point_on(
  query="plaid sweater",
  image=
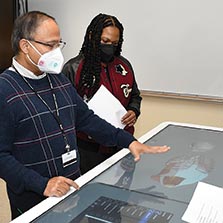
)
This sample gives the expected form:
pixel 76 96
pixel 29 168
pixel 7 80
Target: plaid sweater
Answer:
pixel 31 142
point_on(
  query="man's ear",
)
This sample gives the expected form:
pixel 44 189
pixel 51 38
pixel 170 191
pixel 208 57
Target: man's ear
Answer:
pixel 24 46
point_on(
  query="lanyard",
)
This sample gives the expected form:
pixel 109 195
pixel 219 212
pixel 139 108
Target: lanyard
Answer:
pixel 55 115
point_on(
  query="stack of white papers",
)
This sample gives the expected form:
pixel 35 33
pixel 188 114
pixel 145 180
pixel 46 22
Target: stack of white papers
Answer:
pixel 108 107
pixel 206 205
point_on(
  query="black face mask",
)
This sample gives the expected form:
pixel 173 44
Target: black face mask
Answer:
pixel 107 52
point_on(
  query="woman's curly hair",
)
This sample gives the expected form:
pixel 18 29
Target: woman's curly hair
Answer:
pixel 90 73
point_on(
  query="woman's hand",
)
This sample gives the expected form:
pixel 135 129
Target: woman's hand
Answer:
pixel 129 118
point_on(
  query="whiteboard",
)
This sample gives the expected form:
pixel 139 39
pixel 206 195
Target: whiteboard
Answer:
pixel 175 46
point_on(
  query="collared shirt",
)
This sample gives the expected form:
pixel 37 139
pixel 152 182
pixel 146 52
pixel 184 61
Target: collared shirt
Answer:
pixel 25 72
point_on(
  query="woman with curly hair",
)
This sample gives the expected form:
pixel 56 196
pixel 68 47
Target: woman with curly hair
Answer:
pixel 100 63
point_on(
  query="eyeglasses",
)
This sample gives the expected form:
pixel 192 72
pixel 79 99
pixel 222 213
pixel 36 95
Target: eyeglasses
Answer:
pixel 52 46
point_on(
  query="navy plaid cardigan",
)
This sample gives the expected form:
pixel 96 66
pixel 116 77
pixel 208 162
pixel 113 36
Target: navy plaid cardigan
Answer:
pixel 31 143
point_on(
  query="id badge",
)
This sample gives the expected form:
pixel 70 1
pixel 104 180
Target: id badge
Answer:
pixel 69 158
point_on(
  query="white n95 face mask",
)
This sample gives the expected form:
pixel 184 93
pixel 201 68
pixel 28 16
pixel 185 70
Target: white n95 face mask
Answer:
pixel 50 62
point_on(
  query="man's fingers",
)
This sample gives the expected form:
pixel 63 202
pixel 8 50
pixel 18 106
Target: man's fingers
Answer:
pixel 137 158
pixel 160 149
pixel 72 183
pixel 59 186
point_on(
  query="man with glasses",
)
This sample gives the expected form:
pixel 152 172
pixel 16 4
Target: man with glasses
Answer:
pixel 40 112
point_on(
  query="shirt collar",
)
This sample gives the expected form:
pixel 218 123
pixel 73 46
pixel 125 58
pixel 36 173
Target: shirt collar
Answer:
pixel 25 72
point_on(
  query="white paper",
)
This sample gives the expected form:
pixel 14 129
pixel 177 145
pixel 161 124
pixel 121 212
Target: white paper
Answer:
pixel 108 107
pixel 206 205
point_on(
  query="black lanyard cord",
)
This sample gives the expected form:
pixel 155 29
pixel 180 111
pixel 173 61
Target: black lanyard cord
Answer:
pixel 56 116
